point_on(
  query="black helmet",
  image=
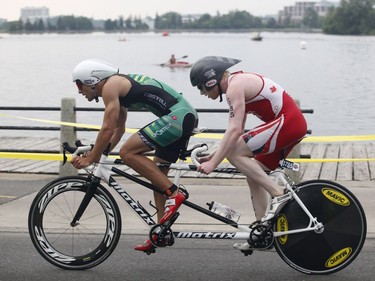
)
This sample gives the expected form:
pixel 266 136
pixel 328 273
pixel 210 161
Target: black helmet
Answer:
pixel 209 70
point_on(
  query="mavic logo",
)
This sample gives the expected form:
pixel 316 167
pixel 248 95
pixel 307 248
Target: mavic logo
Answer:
pixel 339 257
pixel 282 225
pixel 336 196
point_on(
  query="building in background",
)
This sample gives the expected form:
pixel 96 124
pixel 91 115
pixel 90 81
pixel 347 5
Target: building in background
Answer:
pixel 33 14
pixel 150 22
pixel 2 21
pixel 190 18
pixel 296 13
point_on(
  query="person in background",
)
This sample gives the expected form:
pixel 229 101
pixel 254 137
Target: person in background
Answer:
pixel 172 60
pixel 167 135
pixel 261 148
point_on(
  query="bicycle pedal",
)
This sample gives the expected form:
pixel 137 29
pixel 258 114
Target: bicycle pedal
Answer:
pixel 152 250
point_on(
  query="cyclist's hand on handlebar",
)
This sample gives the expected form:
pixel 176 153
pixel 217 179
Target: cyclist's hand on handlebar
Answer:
pixel 81 162
pixel 206 167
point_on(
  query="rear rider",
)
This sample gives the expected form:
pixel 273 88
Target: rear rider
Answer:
pixel 261 148
pixel 167 135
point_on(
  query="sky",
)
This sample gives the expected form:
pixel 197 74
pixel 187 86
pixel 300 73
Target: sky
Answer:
pixel 112 9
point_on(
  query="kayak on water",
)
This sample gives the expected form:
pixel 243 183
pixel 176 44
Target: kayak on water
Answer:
pixel 178 64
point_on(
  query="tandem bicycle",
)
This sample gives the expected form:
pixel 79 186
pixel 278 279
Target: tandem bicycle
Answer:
pixel 75 223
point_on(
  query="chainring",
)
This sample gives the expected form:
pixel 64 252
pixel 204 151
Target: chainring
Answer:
pixel 161 236
pixel 261 236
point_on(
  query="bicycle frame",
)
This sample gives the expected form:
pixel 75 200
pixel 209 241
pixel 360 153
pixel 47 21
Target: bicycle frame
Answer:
pixel 105 167
pixel 313 225
pixel 95 228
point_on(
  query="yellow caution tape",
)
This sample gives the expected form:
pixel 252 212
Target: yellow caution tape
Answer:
pixel 339 138
pixel 34 156
pixel 327 160
pixel 59 157
pixel 202 135
pixel 7 196
pixel 69 124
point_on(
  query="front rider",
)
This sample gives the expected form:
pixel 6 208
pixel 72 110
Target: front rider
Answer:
pixel 261 148
pixel 167 135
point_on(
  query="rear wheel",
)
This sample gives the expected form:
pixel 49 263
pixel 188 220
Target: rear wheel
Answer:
pixel 341 240
pixel 80 246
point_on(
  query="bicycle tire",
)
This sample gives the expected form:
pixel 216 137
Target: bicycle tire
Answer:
pixel 85 245
pixel 344 229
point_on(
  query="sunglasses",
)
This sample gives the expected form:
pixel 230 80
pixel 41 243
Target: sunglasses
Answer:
pixel 79 86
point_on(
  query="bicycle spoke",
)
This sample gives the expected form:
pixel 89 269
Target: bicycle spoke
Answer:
pixel 80 246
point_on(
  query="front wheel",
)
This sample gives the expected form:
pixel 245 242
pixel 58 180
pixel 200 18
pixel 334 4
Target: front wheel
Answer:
pixel 340 241
pixel 79 246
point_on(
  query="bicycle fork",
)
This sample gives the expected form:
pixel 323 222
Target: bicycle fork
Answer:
pixel 85 201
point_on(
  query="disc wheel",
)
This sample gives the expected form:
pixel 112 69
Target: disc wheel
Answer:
pixel 339 242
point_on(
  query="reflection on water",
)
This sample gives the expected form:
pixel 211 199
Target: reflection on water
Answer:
pixel 333 75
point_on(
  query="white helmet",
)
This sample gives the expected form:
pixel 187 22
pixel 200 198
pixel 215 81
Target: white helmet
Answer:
pixel 92 71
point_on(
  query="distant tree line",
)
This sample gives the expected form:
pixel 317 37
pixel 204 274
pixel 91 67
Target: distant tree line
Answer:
pixel 232 20
pixel 129 24
pixel 74 24
pixel 352 17
pixel 58 24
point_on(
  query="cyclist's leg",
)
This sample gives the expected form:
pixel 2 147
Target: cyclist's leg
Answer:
pixel 169 134
pixel 163 135
pixel 259 198
pixel 241 158
pixel 160 202
pixel 178 127
pixel 259 182
pixel 131 154
pixel 261 142
pixel 266 142
pixel 158 197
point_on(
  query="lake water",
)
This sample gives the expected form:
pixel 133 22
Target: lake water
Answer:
pixel 334 75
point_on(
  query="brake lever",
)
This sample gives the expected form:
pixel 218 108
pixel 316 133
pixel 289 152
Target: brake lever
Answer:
pixel 67 147
pixel 64 156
